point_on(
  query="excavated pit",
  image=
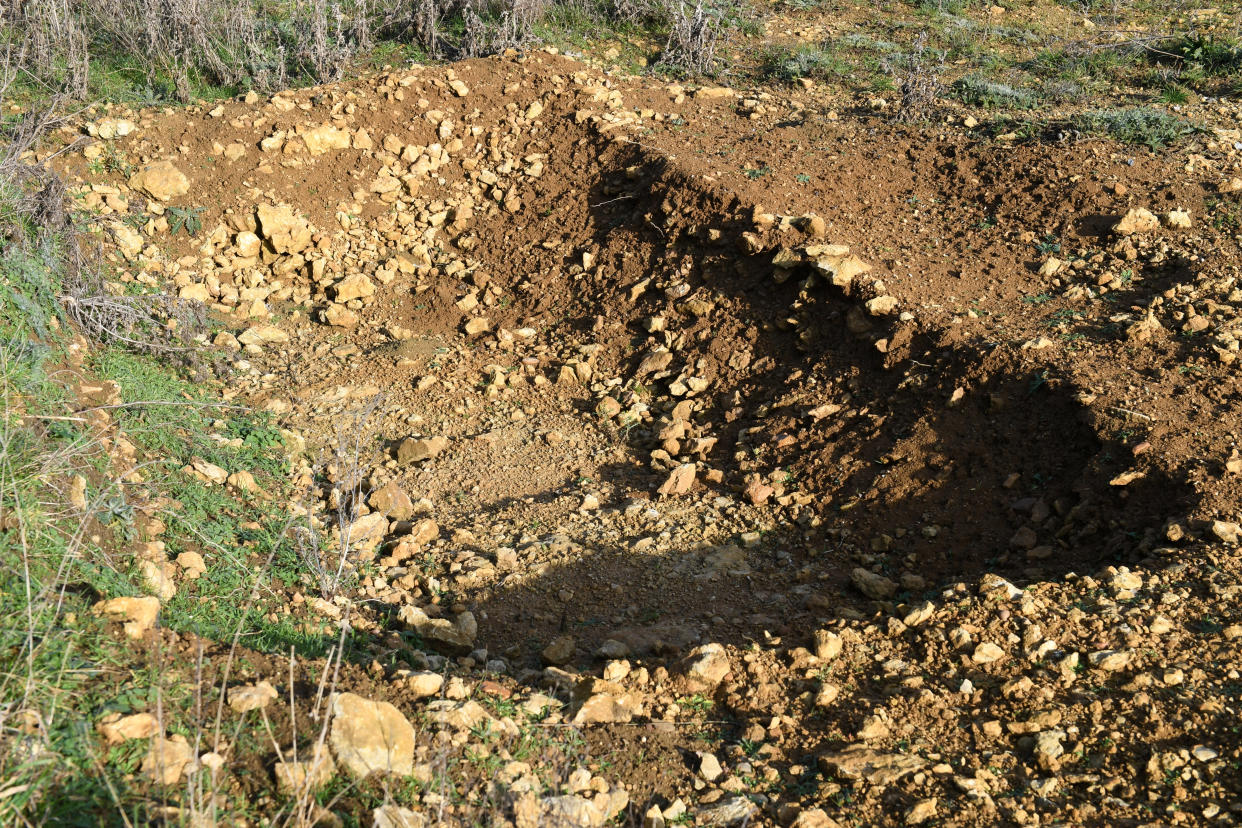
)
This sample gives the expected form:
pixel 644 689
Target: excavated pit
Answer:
pixel 582 309
pixel 815 451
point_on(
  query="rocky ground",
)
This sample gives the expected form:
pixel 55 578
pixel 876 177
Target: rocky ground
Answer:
pixel 700 455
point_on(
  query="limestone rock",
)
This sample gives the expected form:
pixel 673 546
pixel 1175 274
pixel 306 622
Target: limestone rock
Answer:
pixel 323 138
pixel 679 482
pixel 706 667
pixel 872 584
pixel 444 635
pixel 560 650
pixel 168 759
pixel 294 777
pixel 394 816
pixel 424 683
pixel 1136 220
pixel 1177 219
pixel 392 501
pixel 128 240
pixel 285 230
pixel 365 533
pixel 137 614
pixel 354 286
pixel 161 180
pixel 827 645
pixel 415 449
pixel 251 696
pixel 369 736
pixel 861 762
pixel 732 810
pixel 458 715
pixel 262 335
pixel 116 728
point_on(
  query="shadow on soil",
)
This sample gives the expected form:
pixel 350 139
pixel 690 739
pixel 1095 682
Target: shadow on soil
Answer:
pixel 949 457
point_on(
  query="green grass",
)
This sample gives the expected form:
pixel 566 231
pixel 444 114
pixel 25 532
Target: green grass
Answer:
pixel 61 667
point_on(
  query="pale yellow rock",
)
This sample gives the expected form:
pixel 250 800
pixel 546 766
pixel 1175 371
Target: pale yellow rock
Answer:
pixel 116 728
pixel 285 231
pixel 355 286
pixel 128 240
pixel 251 697
pixel 325 138
pixel 161 180
pixel 371 736
pixel 168 759
pixel 137 614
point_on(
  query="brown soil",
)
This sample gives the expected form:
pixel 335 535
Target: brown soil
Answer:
pixel 1001 421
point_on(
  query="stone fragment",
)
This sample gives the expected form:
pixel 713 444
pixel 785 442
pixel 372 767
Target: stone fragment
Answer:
pixel 882 305
pixel 392 501
pixel 921 811
pixel 285 230
pixel 872 584
pixel 1177 220
pixel 424 684
pixel 458 715
pixel 416 449
pixel 1136 220
pixel 858 761
pixel 168 759
pixel 987 653
pixel 262 335
pixel 709 767
pixel 679 481
pixel 395 816
pixel 444 635
pixel 137 614
pixel 1110 660
pixel 560 650
pixel 814 818
pixel 324 138
pixel 251 696
pixel 370 736
pixel 128 240
pixel 354 286
pixel 365 533
pixel 161 180
pixel 295 777
pixel 731 810
pixel 827 645
pixel 116 728
pixel 705 667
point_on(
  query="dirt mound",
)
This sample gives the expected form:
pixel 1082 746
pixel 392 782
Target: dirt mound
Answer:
pixel 674 376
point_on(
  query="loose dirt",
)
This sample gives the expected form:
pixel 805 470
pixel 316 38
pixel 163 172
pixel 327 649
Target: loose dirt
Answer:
pixel 708 378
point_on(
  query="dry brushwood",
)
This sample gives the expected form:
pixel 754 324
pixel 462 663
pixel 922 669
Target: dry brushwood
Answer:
pixel 692 39
pixel 149 323
pixel 920 86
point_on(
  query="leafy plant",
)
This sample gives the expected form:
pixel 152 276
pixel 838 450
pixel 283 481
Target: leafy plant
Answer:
pixel 187 218
pixel 977 91
pixel 1149 127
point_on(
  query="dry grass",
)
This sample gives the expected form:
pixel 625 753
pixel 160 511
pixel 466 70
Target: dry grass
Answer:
pixel 694 32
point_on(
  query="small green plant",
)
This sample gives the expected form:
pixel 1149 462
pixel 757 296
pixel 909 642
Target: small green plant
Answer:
pixel 187 218
pixel 978 91
pixel 815 62
pixel 1149 127
pixel 698 704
